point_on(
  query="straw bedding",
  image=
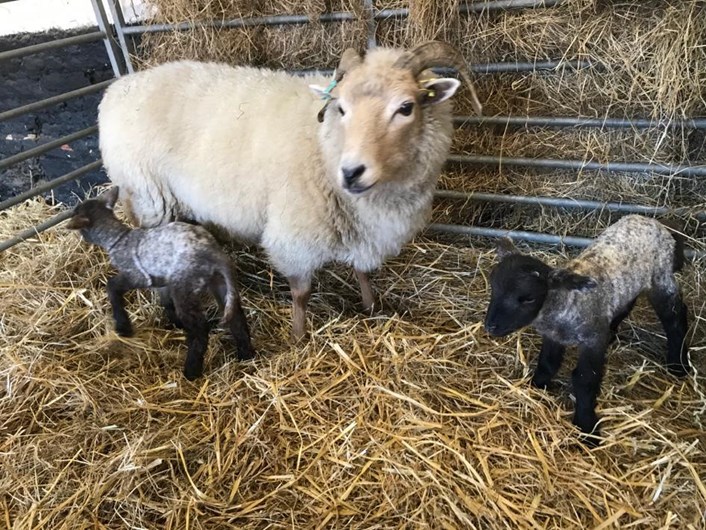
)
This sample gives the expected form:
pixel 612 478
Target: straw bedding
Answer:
pixel 408 418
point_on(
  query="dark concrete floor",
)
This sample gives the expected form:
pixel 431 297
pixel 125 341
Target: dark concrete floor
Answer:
pixel 35 77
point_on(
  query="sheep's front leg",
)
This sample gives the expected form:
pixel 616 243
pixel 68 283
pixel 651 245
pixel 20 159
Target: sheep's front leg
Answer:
pixel 366 291
pixel 587 378
pixel 672 313
pixel 117 287
pixel 550 358
pixel 196 329
pixel 301 291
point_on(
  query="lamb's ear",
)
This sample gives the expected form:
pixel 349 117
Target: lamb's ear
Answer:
pixel 77 222
pixel 110 197
pixel 563 279
pixel 505 248
pixel 438 90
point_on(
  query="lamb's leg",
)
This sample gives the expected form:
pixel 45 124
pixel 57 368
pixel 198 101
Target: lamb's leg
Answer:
pixel 550 358
pixel 165 299
pixel 117 287
pixel 196 328
pixel 672 312
pixel 587 378
pixel 301 291
pixel 238 323
pixel 366 290
pixel 615 323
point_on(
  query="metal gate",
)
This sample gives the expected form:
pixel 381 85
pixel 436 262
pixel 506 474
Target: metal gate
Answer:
pixel 118 38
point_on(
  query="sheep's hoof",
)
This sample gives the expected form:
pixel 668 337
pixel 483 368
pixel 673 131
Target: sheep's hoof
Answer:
pixel 297 338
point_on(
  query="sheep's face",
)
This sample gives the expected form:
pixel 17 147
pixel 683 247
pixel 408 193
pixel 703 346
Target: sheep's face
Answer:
pixel 378 118
pixel 519 286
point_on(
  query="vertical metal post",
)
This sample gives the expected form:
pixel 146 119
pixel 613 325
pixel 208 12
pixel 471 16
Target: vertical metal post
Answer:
pixel 119 23
pixel 111 47
pixel 372 23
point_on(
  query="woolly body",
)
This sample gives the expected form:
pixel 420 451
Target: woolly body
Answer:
pixel 241 148
pixel 630 257
pixel 584 302
pixel 182 258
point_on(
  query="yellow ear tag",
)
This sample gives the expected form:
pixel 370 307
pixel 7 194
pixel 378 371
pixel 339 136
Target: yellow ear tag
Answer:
pixel 432 93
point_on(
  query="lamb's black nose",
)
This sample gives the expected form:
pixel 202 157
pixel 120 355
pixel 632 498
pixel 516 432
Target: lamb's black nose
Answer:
pixel 352 174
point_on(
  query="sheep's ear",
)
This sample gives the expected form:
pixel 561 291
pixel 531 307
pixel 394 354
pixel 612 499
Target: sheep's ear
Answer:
pixel 563 279
pixel 110 197
pixel 320 91
pixel 77 222
pixel 505 248
pixel 437 90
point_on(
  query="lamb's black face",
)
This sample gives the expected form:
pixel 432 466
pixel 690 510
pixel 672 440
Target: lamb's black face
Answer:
pixel 518 290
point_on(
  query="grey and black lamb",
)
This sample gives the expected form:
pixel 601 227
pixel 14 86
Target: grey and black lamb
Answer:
pixel 182 258
pixel 584 302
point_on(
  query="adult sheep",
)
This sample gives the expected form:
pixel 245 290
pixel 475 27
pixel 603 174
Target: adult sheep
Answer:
pixel 240 148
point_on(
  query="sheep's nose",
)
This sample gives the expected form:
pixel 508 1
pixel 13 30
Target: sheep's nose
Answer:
pixel 352 174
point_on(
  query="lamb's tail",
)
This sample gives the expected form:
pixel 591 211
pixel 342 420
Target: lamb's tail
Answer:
pixel 231 297
pixel 677 232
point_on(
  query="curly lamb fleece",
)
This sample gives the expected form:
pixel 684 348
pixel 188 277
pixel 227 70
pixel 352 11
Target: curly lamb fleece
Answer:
pixel 183 259
pixel 584 302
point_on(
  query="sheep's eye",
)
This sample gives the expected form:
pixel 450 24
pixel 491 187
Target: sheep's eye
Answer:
pixel 526 299
pixel 341 111
pixel 406 108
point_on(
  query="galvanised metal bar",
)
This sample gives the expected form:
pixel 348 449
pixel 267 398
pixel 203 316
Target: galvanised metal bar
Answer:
pixel 372 25
pixel 551 163
pixel 533 237
pixel 111 46
pixel 562 121
pixel 479 7
pixel 35 230
pixel 581 204
pixel 19 111
pixel 47 186
pixel 486 68
pixel 273 20
pixel 504 67
pixel 119 24
pixel 41 149
pixel 338 16
pixel 51 45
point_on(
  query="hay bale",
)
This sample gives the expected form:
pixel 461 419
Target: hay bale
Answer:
pixel 652 64
pixel 394 420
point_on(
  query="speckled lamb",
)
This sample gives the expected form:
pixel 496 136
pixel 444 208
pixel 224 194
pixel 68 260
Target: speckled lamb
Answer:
pixel 183 258
pixel 584 302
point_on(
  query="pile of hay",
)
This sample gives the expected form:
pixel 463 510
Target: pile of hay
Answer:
pixel 411 419
pixel 651 63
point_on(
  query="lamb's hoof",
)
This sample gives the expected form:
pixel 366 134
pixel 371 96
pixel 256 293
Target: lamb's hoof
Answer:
pixel 542 383
pixel 193 372
pixel 678 370
pixel 246 354
pixel 591 440
pixel 124 330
